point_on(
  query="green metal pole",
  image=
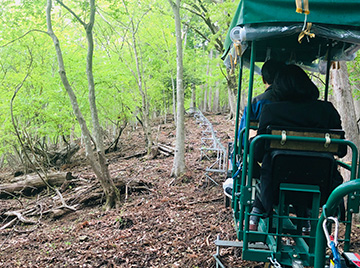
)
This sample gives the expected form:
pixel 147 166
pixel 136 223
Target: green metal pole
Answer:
pixel 328 65
pixel 330 206
pixel 320 243
pixel 246 208
pixel 236 144
pixel 236 141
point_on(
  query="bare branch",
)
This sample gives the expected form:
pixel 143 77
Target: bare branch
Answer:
pixel 63 201
pixel 8 224
pixel 20 217
pixel 20 37
pixel 72 12
pixel 15 126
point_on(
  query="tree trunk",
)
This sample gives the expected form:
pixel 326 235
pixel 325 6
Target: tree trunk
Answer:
pixel 216 101
pixel 231 86
pixel 205 103
pixel 210 88
pixel 174 98
pixel 345 104
pixel 141 86
pixel 193 97
pixel 32 184
pixel 98 163
pixel 179 159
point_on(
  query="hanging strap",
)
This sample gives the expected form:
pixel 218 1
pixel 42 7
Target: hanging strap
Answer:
pixel 238 51
pixel 306 32
pixel 302 6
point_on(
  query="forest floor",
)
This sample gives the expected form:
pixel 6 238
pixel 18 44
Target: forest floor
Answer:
pixel 163 222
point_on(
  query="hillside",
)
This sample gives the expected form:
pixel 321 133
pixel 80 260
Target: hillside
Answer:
pixel 162 223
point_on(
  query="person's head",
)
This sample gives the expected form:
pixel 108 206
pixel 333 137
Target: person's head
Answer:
pixel 293 84
pixel 269 70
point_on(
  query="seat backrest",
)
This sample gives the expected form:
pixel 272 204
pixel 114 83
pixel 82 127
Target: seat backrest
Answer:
pixel 299 167
pixel 303 162
pixel 335 149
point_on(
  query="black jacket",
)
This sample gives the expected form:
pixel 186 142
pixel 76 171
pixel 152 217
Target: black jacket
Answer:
pixel 312 114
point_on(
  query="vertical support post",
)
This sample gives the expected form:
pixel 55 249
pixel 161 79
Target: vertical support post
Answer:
pixel 246 208
pixel 333 201
pixel 328 65
pixel 331 204
pixel 236 141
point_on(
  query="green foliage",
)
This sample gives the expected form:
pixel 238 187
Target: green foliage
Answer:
pixel 354 75
pixel 42 108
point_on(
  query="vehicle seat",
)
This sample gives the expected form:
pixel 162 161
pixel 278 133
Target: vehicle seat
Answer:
pixel 299 167
pixel 305 163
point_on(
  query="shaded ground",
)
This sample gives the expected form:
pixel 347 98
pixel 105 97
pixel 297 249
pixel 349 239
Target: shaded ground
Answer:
pixel 162 223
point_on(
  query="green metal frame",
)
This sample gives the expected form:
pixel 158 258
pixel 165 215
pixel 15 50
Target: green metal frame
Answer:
pixel 335 13
pixel 305 249
pixel 350 188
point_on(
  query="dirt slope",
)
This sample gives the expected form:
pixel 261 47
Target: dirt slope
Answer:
pixel 162 223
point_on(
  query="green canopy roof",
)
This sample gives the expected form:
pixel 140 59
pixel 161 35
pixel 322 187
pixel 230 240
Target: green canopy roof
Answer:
pixel 265 20
pixel 339 12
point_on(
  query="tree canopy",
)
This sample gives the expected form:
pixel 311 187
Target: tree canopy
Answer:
pixel 42 110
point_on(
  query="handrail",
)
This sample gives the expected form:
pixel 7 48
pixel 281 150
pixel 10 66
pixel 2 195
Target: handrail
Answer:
pixel 333 200
pixel 211 143
pixel 247 181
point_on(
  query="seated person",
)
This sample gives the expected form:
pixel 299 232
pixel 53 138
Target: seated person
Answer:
pixel 268 72
pixel 296 106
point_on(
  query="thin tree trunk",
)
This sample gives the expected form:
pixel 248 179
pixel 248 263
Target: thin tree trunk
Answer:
pixel 174 99
pixel 345 104
pixel 209 85
pixel 231 87
pixel 99 166
pixel 193 97
pixel 142 87
pixel 205 103
pixel 179 159
pixel 216 101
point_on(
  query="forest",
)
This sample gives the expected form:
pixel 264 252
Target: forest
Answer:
pixel 132 72
pixel 76 76
pixel 58 57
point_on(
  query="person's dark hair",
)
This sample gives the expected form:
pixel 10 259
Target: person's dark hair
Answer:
pixel 293 84
pixel 269 70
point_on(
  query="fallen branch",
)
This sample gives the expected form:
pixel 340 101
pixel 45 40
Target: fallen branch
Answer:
pixel 28 184
pixel 206 201
pixel 63 201
pixel 135 155
pixel 166 149
pixel 20 217
pixel 10 223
